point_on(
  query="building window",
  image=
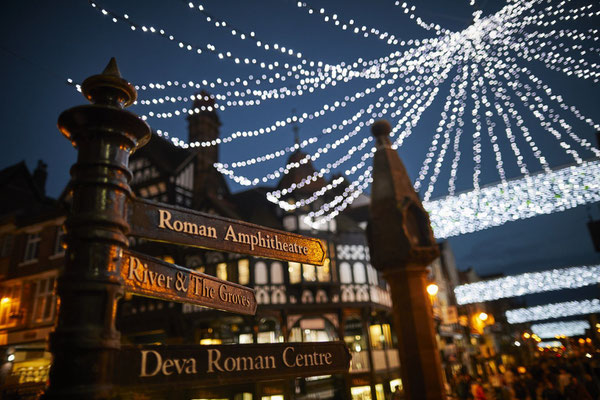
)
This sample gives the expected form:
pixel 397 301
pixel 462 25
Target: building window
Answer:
pixel 289 223
pixel 44 301
pixel 381 336
pixel 9 304
pixel 295 271
pixel 32 246
pixel 276 273
pixel 359 273
pixel 309 273
pixel 59 243
pixel 243 271
pixel 260 271
pixel 222 271
pixel 345 273
pixel 323 274
pixel 6 245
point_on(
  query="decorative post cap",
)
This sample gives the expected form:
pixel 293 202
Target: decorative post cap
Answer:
pixel 381 129
pixel 109 87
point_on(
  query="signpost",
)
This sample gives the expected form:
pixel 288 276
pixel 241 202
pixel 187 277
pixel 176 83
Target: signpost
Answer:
pixel 167 223
pixel 89 361
pixel 151 277
pixel 226 364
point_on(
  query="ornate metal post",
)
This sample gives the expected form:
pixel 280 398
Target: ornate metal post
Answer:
pixel 85 340
pixel 402 246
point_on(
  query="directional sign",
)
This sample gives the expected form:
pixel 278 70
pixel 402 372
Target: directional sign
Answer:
pixel 167 223
pixel 148 276
pixel 223 364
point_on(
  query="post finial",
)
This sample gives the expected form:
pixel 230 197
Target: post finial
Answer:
pixel 381 128
pixel 109 87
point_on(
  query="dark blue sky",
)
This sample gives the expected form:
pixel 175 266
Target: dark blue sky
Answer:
pixel 43 43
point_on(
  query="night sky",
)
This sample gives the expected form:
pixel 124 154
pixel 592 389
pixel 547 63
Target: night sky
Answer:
pixel 44 43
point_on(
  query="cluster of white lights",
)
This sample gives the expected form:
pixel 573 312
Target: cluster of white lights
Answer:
pixel 554 329
pixel 555 310
pixel 351 25
pixel 549 344
pixel 522 198
pixel 487 57
pixel 528 283
pixel 234 31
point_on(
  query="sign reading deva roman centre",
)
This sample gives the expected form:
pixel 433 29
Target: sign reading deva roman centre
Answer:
pixel 151 277
pixel 220 364
pixel 167 223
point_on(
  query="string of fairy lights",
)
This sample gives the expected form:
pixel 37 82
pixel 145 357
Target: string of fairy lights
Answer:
pixel 528 283
pixel 494 102
pixel 551 330
pixel 554 310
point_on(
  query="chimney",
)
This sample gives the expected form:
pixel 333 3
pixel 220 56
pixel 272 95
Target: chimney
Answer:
pixel 39 176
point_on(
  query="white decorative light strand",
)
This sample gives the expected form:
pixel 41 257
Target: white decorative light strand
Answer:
pixel 527 197
pixel 555 310
pixel 557 329
pixel 527 283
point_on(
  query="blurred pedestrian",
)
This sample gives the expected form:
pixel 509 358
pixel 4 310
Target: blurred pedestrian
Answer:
pixel 576 391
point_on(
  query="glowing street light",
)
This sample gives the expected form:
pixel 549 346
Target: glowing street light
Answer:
pixel 483 316
pixel 432 289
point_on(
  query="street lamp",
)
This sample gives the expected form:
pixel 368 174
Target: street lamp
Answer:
pixel 483 316
pixel 432 289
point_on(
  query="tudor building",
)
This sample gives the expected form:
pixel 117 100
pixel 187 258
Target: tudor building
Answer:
pixel 345 299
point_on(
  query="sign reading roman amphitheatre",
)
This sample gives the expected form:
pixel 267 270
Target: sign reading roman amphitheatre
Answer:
pixel 220 364
pixel 163 222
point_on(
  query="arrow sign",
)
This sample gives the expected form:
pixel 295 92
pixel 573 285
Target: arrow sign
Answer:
pixel 167 223
pixel 223 364
pixel 151 277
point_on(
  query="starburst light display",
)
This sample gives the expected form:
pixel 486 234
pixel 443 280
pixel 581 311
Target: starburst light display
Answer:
pixel 486 84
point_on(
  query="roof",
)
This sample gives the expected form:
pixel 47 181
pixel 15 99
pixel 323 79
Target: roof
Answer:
pixel 295 175
pixel 164 154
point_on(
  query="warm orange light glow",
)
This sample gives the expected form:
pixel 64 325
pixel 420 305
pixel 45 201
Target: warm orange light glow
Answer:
pixel 588 340
pixel 521 370
pixel 483 316
pixel 526 335
pixel 5 300
pixel 581 341
pixel 432 289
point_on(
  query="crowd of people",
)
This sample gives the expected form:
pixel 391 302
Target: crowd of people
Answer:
pixel 547 379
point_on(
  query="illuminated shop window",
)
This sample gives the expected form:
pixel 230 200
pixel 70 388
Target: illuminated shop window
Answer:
pixel 379 391
pixel 323 272
pixel 222 271
pixel 243 271
pixel 309 273
pixel 10 297
pixel 394 383
pixel 361 393
pixel 295 271
pixel 45 301
pixel 381 336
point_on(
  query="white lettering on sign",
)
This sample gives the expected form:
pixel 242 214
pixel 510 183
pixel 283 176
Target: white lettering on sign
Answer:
pixel 164 222
pixel 305 359
pixel 152 364
pixel 265 241
pixel 201 287
pixel 231 364
pixel 140 272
